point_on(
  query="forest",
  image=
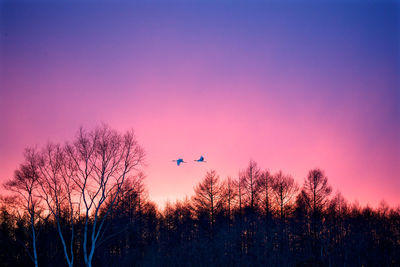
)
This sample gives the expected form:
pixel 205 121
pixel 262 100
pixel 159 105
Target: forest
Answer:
pixel 84 203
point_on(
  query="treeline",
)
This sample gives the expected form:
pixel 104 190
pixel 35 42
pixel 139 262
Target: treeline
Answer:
pixel 84 203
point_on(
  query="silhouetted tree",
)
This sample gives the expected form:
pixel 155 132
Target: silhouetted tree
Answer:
pixel 56 188
pixel 315 193
pixel 285 189
pixel 103 159
pixel 230 195
pixel 250 179
pixel 265 183
pixel 209 197
pixel 24 184
pixel 238 184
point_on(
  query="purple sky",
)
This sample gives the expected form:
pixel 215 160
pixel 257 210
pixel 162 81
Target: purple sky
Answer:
pixel 292 85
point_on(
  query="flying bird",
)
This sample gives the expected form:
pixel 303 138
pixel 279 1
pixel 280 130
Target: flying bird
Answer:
pixel 179 161
pixel 201 159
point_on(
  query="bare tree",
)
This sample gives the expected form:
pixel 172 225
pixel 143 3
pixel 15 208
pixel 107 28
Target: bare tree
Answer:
pixel 285 189
pixel 208 196
pixel 238 184
pixel 265 190
pixel 131 198
pixel 57 190
pixel 230 194
pixel 316 190
pixel 315 193
pixel 338 207
pixel 249 181
pixel 103 160
pixel 25 184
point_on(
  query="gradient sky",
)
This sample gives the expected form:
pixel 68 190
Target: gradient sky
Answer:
pixel 293 85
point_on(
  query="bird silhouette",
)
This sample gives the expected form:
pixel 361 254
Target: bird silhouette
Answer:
pixel 179 161
pixel 201 159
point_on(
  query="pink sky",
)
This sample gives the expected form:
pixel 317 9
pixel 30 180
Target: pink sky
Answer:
pixel 230 83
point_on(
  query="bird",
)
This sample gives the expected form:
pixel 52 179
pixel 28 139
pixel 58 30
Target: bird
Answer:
pixel 201 159
pixel 179 161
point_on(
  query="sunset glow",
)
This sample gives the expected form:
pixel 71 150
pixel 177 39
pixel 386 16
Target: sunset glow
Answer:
pixel 292 86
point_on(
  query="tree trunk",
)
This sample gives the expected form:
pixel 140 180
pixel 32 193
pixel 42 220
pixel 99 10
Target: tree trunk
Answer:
pixel 35 259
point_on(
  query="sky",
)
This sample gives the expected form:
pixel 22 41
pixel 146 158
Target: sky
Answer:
pixel 293 85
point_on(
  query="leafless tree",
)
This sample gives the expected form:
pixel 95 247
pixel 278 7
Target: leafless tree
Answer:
pixel 249 181
pixel 103 160
pixel 230 195
pixel 338 208
pixel 316 190
pixel 315 193
pixel 25 184
pixel 137 194
pixel 238 184
pixel 265 190
pixel 209 196
pixel 131 197
pixel 57 190
pixel 285 189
